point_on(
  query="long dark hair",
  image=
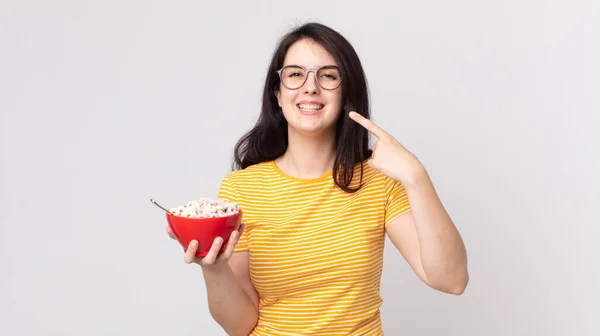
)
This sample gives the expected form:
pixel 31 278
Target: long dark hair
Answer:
pixel 268 139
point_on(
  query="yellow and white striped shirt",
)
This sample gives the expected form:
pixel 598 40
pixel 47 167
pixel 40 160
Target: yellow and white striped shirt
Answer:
pixel 316 252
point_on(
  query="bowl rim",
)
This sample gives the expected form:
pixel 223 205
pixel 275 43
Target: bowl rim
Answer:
pixel 170 214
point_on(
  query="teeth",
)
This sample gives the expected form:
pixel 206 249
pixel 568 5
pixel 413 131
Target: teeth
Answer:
pixel 311 107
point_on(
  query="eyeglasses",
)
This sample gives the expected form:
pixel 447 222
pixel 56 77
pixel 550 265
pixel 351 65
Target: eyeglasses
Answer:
pixel 293 76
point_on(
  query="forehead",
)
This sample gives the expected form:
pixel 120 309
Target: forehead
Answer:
pixel 309 54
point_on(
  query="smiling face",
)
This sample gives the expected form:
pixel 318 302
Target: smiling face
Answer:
pixel 310 109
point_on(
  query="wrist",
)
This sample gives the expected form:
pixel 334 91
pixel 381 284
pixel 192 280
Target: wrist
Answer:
pixel 216 270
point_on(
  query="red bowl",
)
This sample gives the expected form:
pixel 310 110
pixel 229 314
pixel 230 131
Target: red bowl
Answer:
pixel 204 230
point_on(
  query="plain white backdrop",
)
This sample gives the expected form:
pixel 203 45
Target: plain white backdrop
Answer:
pixel 106 104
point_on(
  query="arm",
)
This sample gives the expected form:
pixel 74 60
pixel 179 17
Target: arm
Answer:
pixel 426 236
pixel 232 299
pixel 428 239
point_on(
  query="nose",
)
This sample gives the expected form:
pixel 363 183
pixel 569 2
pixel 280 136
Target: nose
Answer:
pixel 311 85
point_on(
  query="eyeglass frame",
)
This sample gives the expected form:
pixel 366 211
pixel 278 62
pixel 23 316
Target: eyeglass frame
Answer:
pixel 308 71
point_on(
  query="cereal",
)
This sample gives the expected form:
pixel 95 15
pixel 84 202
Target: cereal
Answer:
pixel 206 208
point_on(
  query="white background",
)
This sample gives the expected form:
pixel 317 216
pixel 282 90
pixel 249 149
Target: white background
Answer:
pixel 106 104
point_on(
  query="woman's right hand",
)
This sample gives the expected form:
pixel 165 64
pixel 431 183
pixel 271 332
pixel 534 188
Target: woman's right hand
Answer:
pixel 212 259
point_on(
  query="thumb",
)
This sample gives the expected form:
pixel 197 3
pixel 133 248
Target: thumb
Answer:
pixel 170 232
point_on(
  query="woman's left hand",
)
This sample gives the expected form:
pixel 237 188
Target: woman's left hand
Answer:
pixel 389 156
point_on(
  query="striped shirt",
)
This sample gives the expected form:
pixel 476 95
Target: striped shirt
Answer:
pixel 316 252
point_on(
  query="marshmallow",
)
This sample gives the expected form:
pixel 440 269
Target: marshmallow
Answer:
pixel 205 208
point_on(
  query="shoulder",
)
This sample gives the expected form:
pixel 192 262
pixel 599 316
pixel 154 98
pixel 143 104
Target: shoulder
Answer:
pixel 368 173
pixel 249 173
pixel 237 183
pixel 372 177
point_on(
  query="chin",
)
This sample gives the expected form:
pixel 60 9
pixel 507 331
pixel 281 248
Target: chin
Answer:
pixel 311 129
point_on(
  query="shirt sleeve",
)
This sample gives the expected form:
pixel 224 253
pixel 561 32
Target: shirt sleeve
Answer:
pixel 228 193
pixel 396 203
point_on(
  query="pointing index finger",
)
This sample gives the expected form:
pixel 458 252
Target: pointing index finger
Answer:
pixel 369 125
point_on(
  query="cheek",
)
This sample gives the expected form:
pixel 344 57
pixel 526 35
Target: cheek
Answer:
pixel 288 98
pixel 336 99
pixel 286 103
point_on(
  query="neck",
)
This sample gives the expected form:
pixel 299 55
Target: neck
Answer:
pixel 308 156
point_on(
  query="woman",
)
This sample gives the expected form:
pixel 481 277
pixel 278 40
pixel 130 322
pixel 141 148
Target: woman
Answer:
pixel 317 204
